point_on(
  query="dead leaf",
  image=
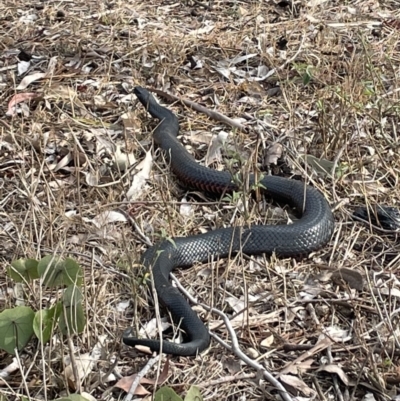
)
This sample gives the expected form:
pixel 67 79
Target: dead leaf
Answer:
pixel 236 304
pixel 126 382
pixel 11 368
pixel 315 3
pixel 200 137
pixel 58 92
pixel 304 366
pixel 253 88
pixel 336 334
pixel 63 162
pixel 141 177
pixel 150 329
pixel 87 396
pixel 297 384
pixel 267 341
pixel 23 67
pixel 18 98
pixel 242 11
pixel 28 18
pixel 123 161
pixel 321 345
pixel 370 188
pixel 339 371
pixel 214 152
pixel 394 292
pixel 30 78
pixel 273 153
pixel 52 65
pixel 109 216
pixel 84 363
pixel 186 209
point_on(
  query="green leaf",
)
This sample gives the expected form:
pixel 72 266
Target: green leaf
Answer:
pixel 193 394
pixel 16 328
pixel 166 394
pixel 73 271
pixel 72 397
pixel 56 272
pixel 72 320
pixel 323 167
pixel 307 76
pixel 72 296
pixel 23 270
pixel 45 321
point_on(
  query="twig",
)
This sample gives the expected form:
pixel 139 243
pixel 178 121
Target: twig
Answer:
pixel 74 365
pixel 318 347
pixel 23 374
pixel 215 115
pixel 136 227
pixel 140 376
pixel 227 379
pixel 159 325
pixel 334 377
pixel 235 348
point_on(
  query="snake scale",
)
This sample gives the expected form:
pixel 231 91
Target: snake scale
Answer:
pixel 310 233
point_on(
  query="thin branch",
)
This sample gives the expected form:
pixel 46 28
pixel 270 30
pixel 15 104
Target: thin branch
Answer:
pixel 227 379
pixel 74 365
pixel 136 228
pixel 215 115
pixel 235 348
pixel 140 376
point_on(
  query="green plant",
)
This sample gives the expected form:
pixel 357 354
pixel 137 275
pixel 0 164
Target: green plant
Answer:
pixel 167 394
pixel 305 71
pixel 19 324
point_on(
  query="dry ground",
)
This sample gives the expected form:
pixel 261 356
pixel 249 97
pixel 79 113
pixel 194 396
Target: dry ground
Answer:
pixel 320 78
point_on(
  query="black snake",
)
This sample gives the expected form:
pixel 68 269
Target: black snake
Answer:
pixel 310 233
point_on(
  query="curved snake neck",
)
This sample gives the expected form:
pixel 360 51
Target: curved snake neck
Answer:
pixel 310 233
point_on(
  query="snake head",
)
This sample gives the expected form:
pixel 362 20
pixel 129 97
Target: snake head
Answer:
pixel 144 96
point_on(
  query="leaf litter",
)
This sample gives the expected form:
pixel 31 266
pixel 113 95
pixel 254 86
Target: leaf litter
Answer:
pixel 316 78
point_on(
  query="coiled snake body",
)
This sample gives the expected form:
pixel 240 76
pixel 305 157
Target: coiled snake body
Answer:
pixel 311 232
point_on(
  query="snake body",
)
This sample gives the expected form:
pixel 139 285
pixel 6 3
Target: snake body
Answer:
pixel 310 233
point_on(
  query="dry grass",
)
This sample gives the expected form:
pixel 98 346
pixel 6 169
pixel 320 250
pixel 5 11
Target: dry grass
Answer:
pixel 334 95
